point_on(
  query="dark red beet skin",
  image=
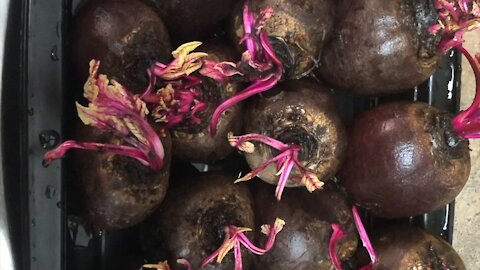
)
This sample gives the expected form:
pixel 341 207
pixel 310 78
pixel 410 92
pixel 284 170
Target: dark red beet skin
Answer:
pixel 413 248
pixel 381 47
pixel 125 35
pixel 303 242
pixel 116 191
pixel 191 223
pixel 189 20
pixel 398 161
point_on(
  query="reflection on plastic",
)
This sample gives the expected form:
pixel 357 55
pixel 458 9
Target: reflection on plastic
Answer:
pixel 6 261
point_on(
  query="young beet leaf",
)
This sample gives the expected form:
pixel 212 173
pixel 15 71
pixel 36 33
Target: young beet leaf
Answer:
pixel 285 161
pixel 235 238
pixel 112 108
pixel 456 17
pixel 177 96
pixel 259 64
pixel 164 265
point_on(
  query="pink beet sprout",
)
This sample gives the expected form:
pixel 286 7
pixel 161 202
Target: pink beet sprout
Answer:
pixel 235 238
pixel 178 95
pixel 164 265
pixel 467 122
pixel 364 237
pixel 456 17
pixel 285 161
pixel 337 235
pixel 259 64
pixel 113 108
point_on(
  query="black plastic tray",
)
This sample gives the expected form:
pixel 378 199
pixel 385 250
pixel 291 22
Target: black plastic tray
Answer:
pixel 46 236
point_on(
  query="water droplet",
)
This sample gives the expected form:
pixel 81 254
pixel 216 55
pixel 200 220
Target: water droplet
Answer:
pixel 45 163
pixel 30 112
pixel 49 139
pixel 53 53
pixel 50 192
pixel 34 223
pixel 61 205
pixel 34 259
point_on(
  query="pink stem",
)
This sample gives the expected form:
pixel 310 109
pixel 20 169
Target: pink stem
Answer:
pixel 283 179
pixel 337 235
pixel 363 235
pixel 186 263
pixel 128 151
pixel 151 84
pixel 466 123
pixel 248 21
pixel 238 256
pixel 263 139
pixel 255 88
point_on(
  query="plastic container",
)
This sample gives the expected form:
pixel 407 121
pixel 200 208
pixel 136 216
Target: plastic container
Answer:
pixel 35 108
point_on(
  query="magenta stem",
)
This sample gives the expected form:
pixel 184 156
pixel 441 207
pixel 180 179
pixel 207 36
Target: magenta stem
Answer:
pixel 461 121
pixel 263 139
pixel 238 256
pixel 128 151
pixel 337 235
pixel 363 235
pixel 255 88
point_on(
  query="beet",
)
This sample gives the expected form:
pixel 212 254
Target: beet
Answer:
pixel 381 47
pixel 304 242
pixel 302 113
pixel 192 141
pixel 192 19
pixel 412 248
pixel 127 178
pixel 404 159
pixel 117 191
pixel 297 31
pixel 191 222
pixel 125 35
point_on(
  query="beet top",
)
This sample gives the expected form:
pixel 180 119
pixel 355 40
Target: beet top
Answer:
pixel 404 159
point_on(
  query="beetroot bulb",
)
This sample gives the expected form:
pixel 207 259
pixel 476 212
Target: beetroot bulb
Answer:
pixel 127 177
pixel 296 29
pixel 216 217
pixel 294 136
pixel 305 242
pixel 413 248
pixel 384 47
pixel 125 35
pixel 420 160
pixel 283 39
pixel 404 159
